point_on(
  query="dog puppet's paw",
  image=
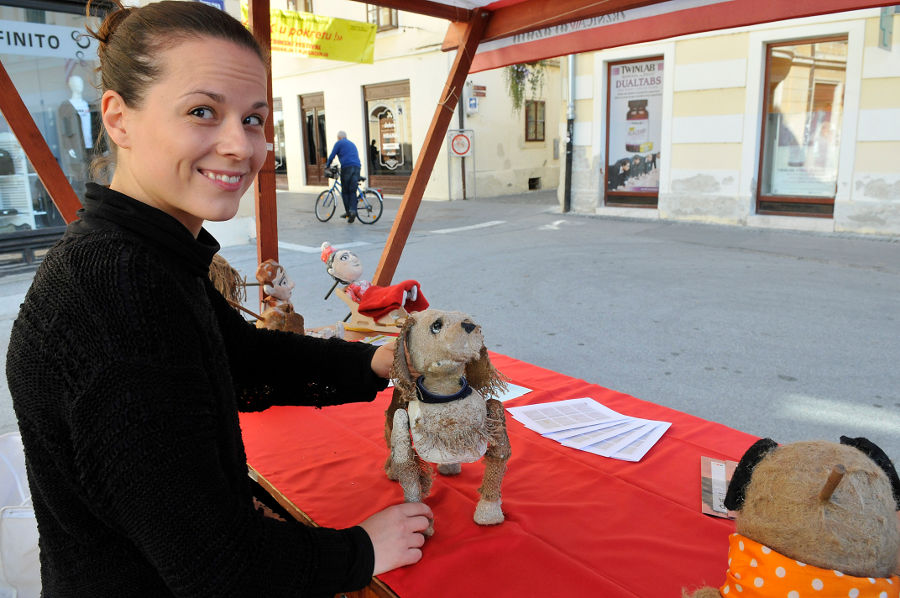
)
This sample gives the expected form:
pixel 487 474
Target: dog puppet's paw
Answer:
pixel 449 468
pixel 488 512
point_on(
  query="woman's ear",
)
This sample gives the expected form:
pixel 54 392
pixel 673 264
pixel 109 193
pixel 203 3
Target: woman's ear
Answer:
pixel 113 110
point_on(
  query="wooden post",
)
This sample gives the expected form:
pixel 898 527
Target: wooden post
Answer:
pixel 264 188
pixel 412 197
pixel 35 146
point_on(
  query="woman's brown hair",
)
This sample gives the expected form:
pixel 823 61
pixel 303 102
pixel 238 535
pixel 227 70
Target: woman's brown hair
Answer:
pixel 130 39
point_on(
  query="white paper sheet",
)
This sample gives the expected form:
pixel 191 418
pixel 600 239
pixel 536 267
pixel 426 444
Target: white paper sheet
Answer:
pixel 587 425
pixel 563 415
pixel 513 391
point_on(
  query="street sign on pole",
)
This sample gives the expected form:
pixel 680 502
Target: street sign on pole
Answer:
pixel 460 142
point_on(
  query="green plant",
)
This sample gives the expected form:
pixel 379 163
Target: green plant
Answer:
pixel 528 75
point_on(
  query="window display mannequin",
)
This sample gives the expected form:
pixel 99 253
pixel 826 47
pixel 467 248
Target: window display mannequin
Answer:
pixel 75 134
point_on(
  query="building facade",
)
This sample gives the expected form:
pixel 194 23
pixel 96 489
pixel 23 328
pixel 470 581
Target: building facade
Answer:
pixel 793 124
pixel 386 109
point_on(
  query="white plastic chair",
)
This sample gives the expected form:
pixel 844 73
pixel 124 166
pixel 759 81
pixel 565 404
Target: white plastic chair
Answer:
pixel 20 569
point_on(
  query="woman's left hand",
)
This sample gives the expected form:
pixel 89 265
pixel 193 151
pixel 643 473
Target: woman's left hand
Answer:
pixel 383 359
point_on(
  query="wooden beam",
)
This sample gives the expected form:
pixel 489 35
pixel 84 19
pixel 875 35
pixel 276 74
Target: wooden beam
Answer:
pixel 35 146
pixel 428 8
pixel 264 188
pixel 532 15
pixel 434 139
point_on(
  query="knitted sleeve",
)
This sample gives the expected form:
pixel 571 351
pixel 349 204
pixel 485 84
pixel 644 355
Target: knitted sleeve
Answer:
pixel 150 458
pixel 271 367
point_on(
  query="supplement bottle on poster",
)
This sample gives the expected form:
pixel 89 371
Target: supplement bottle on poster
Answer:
pixel 638 127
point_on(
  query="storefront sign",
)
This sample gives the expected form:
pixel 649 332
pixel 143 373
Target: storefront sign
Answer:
pixel 316 36
pixel 38 39
pixel 635 125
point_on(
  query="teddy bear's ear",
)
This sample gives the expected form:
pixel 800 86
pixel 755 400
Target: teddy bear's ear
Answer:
pixel 874 452
pixel 734 497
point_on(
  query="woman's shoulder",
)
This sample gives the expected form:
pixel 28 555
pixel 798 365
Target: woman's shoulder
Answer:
pixel 105 286
pixel 103 270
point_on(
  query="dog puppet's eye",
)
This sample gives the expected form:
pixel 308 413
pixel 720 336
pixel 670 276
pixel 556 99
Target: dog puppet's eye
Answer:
pixel 436 326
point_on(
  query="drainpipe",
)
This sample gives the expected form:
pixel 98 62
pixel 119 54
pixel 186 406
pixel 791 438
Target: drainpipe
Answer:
pixel 570 133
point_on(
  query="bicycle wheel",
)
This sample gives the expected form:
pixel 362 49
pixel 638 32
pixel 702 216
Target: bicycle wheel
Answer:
pixel 325 205
pixel 369 207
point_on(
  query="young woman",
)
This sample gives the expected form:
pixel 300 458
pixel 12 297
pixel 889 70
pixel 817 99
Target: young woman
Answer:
pixel 128 369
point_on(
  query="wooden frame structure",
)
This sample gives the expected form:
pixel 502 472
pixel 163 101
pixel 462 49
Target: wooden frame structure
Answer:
pixel 494 20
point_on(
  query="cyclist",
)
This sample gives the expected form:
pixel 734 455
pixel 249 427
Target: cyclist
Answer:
pixel 348 156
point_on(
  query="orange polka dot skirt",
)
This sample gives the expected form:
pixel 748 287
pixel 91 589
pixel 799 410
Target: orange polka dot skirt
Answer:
pixel 757 571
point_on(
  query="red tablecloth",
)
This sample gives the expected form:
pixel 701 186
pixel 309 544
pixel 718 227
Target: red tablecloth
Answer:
pixel 577 524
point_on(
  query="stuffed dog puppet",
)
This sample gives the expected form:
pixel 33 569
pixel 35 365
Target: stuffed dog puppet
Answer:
pixel 813 519
pixel 447 415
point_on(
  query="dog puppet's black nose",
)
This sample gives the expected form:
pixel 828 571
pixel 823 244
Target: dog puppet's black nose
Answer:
pixel 468 326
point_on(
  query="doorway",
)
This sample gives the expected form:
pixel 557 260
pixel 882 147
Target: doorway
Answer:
pixel 315 146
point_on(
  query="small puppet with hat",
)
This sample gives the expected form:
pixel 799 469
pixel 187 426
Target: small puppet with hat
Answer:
pixel 377 302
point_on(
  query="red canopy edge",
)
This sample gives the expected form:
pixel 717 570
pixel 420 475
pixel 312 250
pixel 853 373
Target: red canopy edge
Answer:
pixel 672 19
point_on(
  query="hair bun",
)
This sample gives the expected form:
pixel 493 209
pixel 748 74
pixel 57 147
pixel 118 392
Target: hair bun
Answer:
pixel 111 20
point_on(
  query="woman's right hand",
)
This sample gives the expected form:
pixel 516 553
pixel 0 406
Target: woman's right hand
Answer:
pixel 397 534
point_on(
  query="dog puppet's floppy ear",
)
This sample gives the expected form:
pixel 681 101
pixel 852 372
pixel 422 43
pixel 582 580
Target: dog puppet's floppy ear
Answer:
pixel 734 496
pixel 483 377
pixel 400 371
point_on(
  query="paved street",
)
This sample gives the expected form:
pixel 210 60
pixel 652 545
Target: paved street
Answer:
pixel 783 334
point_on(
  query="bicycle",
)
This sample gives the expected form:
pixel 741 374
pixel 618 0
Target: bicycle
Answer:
pixel 369 202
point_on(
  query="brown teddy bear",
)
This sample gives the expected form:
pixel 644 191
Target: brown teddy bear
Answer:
pixel 813 519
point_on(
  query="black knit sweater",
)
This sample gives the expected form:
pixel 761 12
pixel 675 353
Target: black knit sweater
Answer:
pixel 127 371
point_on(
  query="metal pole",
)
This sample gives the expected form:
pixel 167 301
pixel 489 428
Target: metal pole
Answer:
pixel 462 125
pixel 570 133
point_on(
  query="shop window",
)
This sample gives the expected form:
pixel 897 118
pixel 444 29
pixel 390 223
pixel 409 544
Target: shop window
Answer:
pixel 804 99
pixel 534 120
pixel 633 132
pixel 384 18
pixel 389 133
pixel 51 66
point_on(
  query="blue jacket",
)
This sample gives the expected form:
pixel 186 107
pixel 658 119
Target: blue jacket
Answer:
pixel 346 153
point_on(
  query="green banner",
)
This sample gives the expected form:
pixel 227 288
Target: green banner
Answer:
pixel 315 36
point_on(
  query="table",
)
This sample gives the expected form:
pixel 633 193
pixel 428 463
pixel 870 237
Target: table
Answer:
pixel 576 523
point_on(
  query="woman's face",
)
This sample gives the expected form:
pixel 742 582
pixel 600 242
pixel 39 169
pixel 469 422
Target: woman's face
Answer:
pixel 196 143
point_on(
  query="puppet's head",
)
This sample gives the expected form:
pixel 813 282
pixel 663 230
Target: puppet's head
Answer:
pixel 342 264
pixel 274 280
pixel 445 345
pixel 820 515
pixel 778 494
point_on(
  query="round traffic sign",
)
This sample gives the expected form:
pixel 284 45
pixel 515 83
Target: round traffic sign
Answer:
pixel 460 144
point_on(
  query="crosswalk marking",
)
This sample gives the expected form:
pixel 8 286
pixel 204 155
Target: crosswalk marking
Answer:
pixel 470 227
